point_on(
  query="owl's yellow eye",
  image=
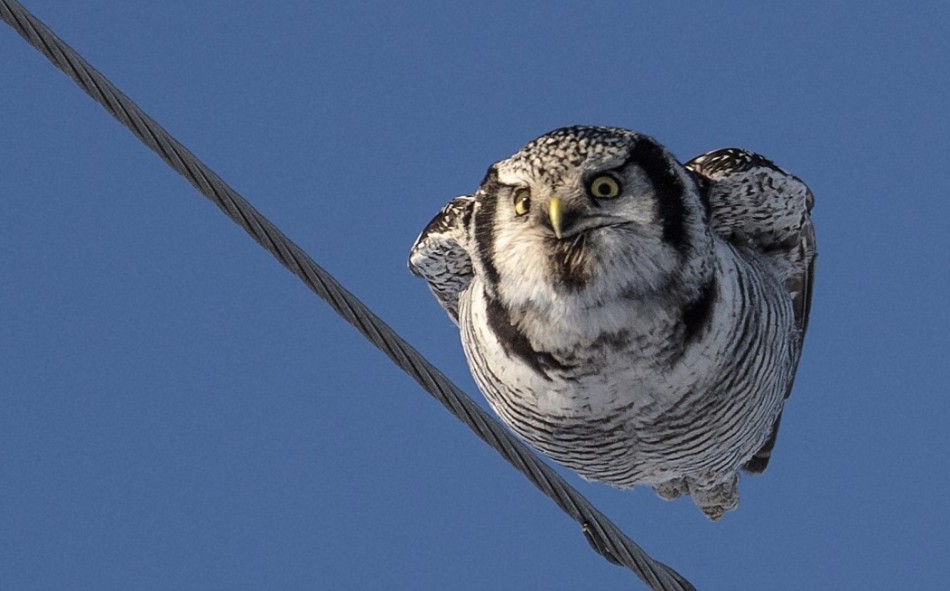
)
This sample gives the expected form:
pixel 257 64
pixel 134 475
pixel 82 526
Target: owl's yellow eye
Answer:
pixel 604 187
pixel 522 199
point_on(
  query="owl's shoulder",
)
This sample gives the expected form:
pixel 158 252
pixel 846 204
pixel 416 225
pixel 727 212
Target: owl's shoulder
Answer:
pixel 440 254
pixel 756 204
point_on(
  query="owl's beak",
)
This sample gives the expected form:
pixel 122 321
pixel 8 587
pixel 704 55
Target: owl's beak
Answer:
pixel 555 214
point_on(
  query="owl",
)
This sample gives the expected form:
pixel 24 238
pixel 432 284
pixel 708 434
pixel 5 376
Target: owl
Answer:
pixel 637 320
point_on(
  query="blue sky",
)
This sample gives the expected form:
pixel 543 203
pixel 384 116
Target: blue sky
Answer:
pixel 178 411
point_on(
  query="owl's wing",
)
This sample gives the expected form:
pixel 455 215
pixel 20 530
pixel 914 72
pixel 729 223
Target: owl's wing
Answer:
pixel 754 202
pixel 440 253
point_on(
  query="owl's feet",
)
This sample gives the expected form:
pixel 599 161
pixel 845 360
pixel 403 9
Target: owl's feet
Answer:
pixel 716 498
pixel 713 497
pixel 671 489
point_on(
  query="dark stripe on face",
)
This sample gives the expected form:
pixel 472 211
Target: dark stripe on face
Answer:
pixel 486 205
pixel 515 342
pixel 697 314
pixel 703 187
pixel 670 191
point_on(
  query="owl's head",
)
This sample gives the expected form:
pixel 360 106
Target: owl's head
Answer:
pixel 591 212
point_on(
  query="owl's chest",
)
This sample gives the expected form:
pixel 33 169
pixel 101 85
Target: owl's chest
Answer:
pixel 567 378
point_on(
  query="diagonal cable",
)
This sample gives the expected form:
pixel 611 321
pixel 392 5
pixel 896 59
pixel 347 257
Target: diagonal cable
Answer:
pixel 602 534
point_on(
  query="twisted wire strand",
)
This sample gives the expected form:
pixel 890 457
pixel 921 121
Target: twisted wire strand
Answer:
pixel 602 534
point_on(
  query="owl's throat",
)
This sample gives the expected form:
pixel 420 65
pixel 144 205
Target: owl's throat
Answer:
pixel 570 264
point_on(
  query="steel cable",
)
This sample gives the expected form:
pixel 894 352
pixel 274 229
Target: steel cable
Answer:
pixel 602 534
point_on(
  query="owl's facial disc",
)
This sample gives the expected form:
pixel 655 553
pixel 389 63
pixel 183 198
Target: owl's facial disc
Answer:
pixel 592 212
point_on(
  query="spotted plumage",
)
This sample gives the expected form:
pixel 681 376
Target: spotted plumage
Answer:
pixel 637 320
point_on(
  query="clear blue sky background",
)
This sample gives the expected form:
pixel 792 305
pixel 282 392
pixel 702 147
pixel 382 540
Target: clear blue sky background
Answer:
pixel 179 412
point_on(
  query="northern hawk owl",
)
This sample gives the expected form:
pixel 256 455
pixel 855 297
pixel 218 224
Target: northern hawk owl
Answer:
pixel 638 320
